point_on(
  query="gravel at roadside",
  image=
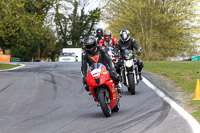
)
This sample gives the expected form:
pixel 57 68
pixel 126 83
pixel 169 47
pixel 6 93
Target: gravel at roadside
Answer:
pixel 167 86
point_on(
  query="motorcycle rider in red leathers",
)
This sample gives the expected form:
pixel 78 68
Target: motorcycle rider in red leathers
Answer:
pixel 96 54
pixel 108 40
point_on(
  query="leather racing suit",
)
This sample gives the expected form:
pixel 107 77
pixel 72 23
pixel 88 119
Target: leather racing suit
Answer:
pixel 130 45
pixel 100 56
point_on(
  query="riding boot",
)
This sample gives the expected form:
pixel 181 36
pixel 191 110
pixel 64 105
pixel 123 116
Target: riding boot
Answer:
pixel 119 88
pixel 86 87
pixel 140 75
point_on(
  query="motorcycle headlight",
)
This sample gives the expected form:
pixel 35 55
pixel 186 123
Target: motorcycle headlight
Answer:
pixel 128 63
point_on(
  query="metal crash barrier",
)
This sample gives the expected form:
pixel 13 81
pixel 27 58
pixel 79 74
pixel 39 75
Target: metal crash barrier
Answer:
pixel 14 59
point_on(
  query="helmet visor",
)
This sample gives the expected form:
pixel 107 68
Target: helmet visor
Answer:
pixel 124 36
pixel 99 34
pixel 107 38
pixel 90 46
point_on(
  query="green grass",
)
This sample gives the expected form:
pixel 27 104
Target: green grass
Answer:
pixel 184 74
pixel 7 66
pixel 196 114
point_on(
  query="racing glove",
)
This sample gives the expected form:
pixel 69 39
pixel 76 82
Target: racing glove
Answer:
pixel 139 53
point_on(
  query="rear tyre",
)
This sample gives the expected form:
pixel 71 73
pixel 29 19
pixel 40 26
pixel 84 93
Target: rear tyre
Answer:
pixel 131 83
pixel 105 106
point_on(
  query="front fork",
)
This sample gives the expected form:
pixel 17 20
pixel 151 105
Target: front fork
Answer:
pixel 126 76
pixel 135 74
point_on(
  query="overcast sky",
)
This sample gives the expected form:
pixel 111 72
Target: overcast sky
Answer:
pixel 94 4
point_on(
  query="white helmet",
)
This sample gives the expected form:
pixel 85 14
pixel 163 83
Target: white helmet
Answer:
pixel 124 35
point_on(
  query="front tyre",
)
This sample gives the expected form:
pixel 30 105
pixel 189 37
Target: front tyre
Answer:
pixel 131 83
pixel 104 103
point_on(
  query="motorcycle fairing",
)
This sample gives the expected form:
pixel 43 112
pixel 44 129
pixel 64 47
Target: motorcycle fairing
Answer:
pixel 105 80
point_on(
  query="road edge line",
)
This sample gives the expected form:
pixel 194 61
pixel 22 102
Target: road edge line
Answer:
pixel 21 65
pixel 194 124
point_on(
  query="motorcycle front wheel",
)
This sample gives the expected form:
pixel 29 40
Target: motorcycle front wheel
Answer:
pixel 131 83
pixel 105 105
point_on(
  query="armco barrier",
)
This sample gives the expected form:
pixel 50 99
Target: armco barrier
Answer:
pixel 14 59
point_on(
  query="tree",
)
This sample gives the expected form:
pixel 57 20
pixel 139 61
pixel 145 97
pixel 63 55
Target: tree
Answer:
pixel 161 27
pixel 26 31
pixel 74 27
pixel 22 26
pixel 47 42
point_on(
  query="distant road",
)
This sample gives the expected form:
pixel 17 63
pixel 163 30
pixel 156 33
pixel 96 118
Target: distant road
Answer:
pixel 49 98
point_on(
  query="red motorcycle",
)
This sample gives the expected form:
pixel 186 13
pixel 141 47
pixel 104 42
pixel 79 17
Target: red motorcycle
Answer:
pixel 103 89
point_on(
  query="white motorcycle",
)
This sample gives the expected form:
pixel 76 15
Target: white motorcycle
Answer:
pixel 129 70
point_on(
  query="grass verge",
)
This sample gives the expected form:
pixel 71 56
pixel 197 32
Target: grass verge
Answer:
pixel 7 66
pixel 184 74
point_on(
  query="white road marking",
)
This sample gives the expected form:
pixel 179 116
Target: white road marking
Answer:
pixel 21 65
pixel 188 117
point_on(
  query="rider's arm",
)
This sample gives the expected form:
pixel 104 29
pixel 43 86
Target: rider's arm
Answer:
pixel 101 42
pixel 117 47
pixel 114 41
pixel 135 45
pixel 84 66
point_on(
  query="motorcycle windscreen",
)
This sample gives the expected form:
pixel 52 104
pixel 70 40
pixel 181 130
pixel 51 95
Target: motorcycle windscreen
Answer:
pixel 95 69
pixel 96 66
pixel 127 54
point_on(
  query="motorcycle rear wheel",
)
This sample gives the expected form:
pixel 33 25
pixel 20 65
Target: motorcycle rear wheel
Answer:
pixel 105 106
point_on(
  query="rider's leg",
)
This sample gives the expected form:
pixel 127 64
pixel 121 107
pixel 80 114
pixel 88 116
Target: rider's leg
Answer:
pixel 117 67
pixel 140 66
pixel 116 78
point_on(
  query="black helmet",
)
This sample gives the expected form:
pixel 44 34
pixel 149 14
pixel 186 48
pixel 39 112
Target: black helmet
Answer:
pixel 124 35
pixel 90 44
pixel 99 32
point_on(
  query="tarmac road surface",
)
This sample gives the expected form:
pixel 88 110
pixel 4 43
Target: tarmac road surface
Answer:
pixel 49 98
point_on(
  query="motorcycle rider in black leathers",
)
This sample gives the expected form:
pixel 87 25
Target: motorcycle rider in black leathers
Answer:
pixel 126 43
pixel 99 35
pixel 96 54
